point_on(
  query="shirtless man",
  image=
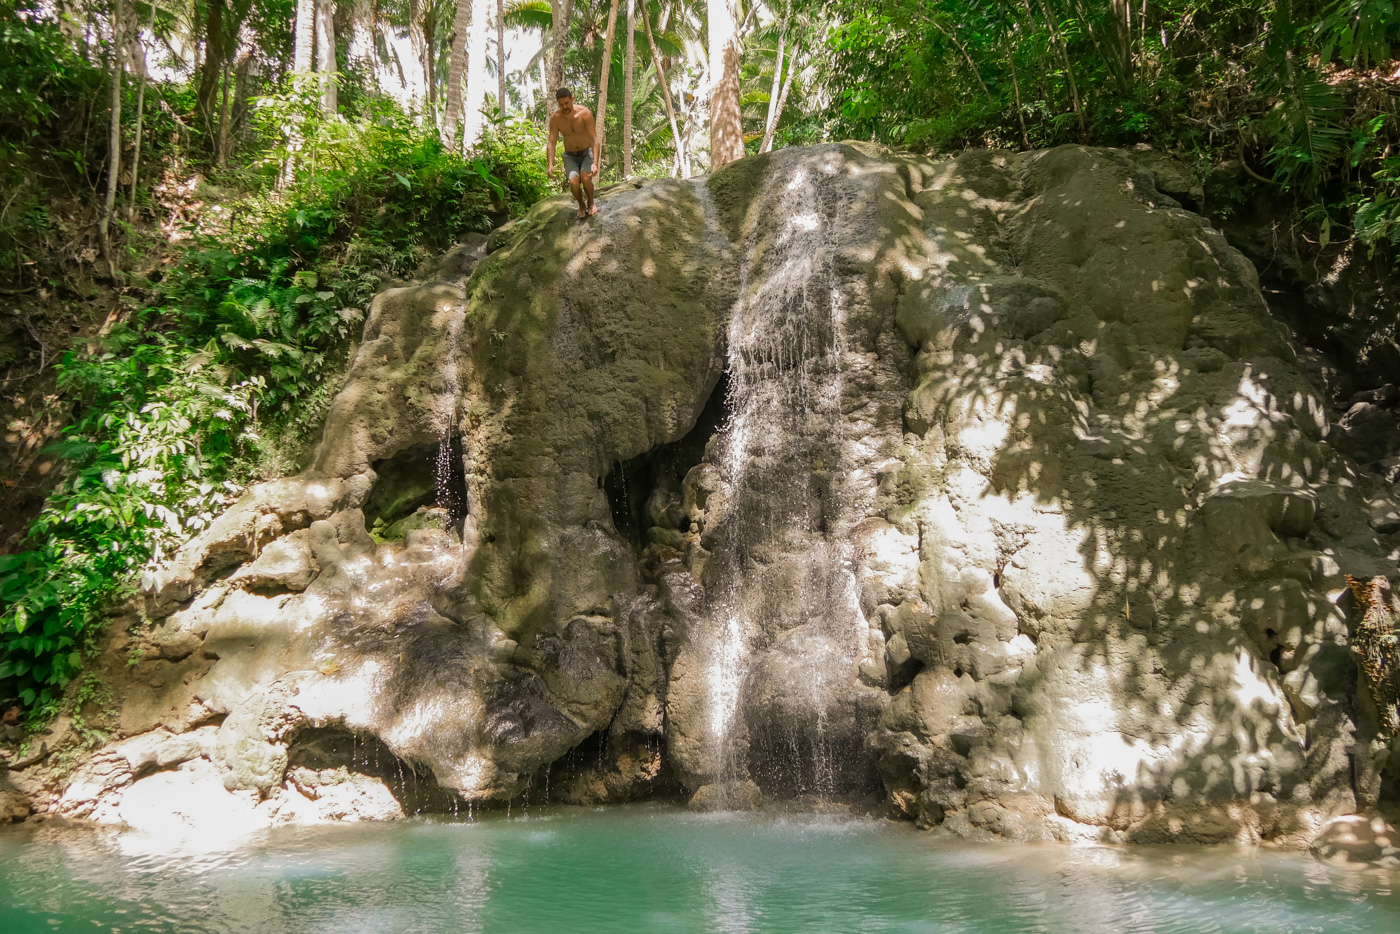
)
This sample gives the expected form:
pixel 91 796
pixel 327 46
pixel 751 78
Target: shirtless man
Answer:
pixel 575 124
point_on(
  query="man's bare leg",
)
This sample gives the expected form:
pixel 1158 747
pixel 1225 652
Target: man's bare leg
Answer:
pixel 588 188
pixel 578 195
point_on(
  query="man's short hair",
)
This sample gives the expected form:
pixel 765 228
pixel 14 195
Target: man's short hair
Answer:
pixel 563 93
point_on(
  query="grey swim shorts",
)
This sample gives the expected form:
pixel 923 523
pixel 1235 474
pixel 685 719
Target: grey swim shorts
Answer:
pixel 577 162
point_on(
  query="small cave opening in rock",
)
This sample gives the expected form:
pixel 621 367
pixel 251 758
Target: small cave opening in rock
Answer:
pixel 901 676
pixel 333 759
pixel 607 767
pixel 645 491
pixel 422 485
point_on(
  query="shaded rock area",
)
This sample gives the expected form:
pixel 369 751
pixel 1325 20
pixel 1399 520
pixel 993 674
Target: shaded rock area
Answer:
pixel 989 485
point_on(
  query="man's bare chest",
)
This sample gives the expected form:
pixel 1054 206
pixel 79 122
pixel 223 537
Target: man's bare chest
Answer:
pixel 571 125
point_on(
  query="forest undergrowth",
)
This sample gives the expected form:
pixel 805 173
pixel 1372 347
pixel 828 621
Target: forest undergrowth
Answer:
pixel 204 360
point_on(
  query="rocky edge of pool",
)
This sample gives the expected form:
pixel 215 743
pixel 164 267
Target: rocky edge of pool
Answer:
pixel 984 493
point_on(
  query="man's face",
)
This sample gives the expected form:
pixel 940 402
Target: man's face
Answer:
pixel 566 103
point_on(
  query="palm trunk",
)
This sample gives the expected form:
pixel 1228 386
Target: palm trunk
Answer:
pixel 140 114
pixel 563 15
pixel 599 122
pixel 476 72
pixel 726 123
pixel 777 82
pixel 682 168
pixel 114 139
pixel 456 59
pixel 303 45
pixel 325 54
pixel 629 66
pixel 305 36
pixel 769 133
pixel 501 56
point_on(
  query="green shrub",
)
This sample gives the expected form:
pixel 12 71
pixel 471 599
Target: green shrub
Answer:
pixel 176 406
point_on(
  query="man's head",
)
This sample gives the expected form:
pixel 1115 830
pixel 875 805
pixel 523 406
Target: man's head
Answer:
pixel 565 97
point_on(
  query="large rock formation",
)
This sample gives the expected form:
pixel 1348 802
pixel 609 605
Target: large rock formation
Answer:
pixel 989 484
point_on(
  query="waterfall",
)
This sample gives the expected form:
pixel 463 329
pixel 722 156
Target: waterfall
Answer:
pixel 779 564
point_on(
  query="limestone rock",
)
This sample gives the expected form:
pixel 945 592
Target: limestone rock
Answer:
pixel 1357 839
pixel 990 481
pixel 727 796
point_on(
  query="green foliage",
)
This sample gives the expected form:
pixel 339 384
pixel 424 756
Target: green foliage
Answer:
pixel 176 405
pixel 1262 81
pixel 156 418
pixel 1359 32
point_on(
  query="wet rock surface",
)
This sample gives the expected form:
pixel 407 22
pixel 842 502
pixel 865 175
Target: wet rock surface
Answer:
pixel 987 484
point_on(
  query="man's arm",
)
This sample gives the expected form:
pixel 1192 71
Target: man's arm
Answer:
pixel 549 150
pixel 593 135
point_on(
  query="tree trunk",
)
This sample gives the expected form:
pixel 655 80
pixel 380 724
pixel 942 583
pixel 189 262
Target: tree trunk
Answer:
pixel 206 97
pixel 682 168
pixel 305 36
pixel 599 118
pixel 772 129
pixel 476 72
pixel 726 123
pixel 140 115
pixel 501 56
pixel 456 60
pixel 303 47
pixel 563 16
pixel 221 150
pixel 114 138
pixel 325 54
pixel 1123 24
pixel 777 84
pixel 1069 68
pixel 545 92
pixel 1016 89
pixel 630 63
pixel 967 56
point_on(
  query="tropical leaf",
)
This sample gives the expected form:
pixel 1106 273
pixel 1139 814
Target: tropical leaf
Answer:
pixel 530 14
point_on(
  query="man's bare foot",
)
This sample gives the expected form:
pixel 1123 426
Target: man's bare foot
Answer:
pixel 582 213
pixel 592 209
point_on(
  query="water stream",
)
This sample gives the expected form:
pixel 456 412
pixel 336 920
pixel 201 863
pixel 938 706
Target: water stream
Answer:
pixel 652 868
pixel 780 561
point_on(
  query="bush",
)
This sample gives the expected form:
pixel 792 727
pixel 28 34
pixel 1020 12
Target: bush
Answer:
pixel 175 406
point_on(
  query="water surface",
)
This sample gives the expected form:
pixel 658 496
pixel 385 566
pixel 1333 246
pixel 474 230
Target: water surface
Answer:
pixel 651 868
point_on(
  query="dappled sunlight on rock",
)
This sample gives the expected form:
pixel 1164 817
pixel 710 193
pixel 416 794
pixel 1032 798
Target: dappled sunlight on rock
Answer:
pixel 990 481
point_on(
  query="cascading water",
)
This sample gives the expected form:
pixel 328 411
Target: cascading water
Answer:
pixel 782 569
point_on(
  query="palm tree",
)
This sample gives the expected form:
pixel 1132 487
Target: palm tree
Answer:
pixel 455 61
pixel 726 126
pixel 563 17
pixel 305 36
pixel 682 162
pixel 501 56
pixel 628 67
pixel 603 88
pixel 476 72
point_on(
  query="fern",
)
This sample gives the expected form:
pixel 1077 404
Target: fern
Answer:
pixel 1360 32
pixel 1306 125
